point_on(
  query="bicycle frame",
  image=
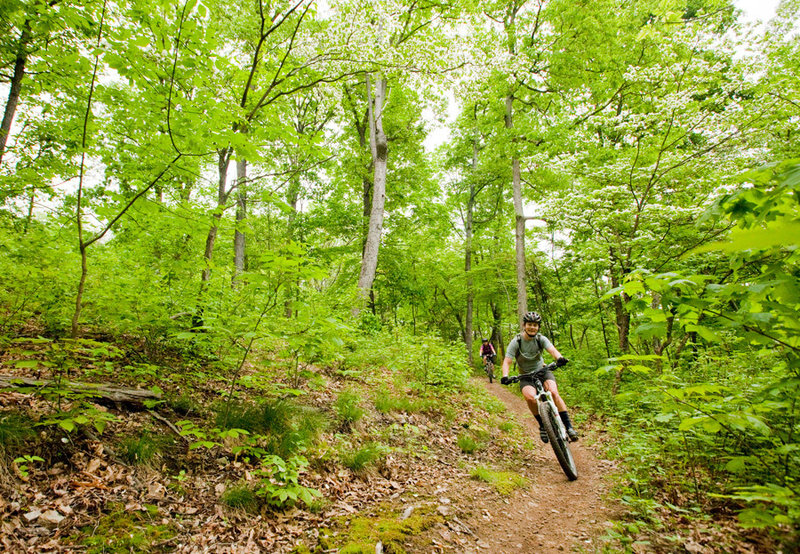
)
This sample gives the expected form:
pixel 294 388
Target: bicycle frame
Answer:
pixel 551 422
pixel 543 396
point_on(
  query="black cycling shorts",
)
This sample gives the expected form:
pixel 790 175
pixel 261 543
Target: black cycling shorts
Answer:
pixel 528 381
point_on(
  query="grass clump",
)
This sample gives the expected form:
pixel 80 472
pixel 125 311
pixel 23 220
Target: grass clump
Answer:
pixel 241 497
pixel 386 403
pixel 348 408
pixel 468 444
pixel 280 427
pixel 504 482
pixel 140 450
pixel 359 460
pixel 507 426
pixel 14 431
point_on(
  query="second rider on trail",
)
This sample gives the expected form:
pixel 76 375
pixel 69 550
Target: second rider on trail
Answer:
pixel 527 349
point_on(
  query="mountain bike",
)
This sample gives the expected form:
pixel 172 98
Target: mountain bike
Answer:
pixel 551 422
pixel 488 367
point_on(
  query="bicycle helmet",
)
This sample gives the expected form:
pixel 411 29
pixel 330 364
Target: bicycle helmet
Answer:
pixel 484 340
pixel 532 317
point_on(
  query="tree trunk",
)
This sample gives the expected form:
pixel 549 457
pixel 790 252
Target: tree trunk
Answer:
pixel 15 88
pixel 497 330
pixel 239 237
pixel 380 150
pixel 292 198
pixel 224 160
pixel 519 229
pixel 623 317
pixel 468 251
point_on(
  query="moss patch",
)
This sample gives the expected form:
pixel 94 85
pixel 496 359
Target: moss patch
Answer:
pixel 386 527
pixel 121 531
pixel 505 482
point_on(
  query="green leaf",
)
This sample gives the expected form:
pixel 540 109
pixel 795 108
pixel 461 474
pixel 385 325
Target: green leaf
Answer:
pixel 67 424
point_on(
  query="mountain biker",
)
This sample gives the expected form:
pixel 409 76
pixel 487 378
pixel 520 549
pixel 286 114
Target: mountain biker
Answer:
pixel 488 352
pixel 527 349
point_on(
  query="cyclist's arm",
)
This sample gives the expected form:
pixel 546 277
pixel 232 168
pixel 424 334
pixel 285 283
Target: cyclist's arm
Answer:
pixel 554 353
pixel 506 366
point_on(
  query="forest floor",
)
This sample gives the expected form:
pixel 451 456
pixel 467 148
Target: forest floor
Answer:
pixel 82 493
pixel 459 471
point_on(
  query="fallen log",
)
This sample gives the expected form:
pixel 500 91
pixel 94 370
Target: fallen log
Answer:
pixel 117 395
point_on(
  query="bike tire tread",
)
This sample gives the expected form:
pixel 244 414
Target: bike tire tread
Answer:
pixel 560 448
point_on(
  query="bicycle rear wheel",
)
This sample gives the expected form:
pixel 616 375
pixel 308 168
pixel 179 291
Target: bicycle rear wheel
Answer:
pixel 559 444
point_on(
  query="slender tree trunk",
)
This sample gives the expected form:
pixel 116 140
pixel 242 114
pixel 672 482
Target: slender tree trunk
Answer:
pixel 602 318
pixel 83 245
pixel 224 159
pixel 15 88
pixel 239 237
pixel 623 317
pixel 623 321
pixel 497 330
pixel 380 150
pixel 468 251
pixel 519 215
pixel 292 198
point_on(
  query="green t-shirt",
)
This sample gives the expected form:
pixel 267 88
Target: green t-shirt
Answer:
pixel 528 353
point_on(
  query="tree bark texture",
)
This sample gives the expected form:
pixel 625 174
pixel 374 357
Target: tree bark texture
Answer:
pixel 519 229
pixel 15 88
pixel 239 237
pixel 380 150
pixel 224 159
pixel 104 391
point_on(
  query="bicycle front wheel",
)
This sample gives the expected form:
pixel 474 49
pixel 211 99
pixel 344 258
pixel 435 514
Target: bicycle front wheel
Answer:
pixel 490 371
pixel 557 441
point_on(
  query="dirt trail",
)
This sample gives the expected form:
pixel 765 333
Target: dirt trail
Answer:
pixel 554 514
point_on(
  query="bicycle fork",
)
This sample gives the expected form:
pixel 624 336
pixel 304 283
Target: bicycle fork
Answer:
pixel 546 397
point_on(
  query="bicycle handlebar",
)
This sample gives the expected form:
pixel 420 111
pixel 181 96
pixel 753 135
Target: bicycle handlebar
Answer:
pixel 552 366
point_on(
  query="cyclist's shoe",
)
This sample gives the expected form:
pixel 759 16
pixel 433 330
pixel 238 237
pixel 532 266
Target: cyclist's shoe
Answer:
pixel 572 433
pixel 543 435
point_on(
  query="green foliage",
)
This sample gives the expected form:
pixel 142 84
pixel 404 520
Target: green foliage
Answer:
pixel 279 482
pixel 23 463
pixel 81 414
